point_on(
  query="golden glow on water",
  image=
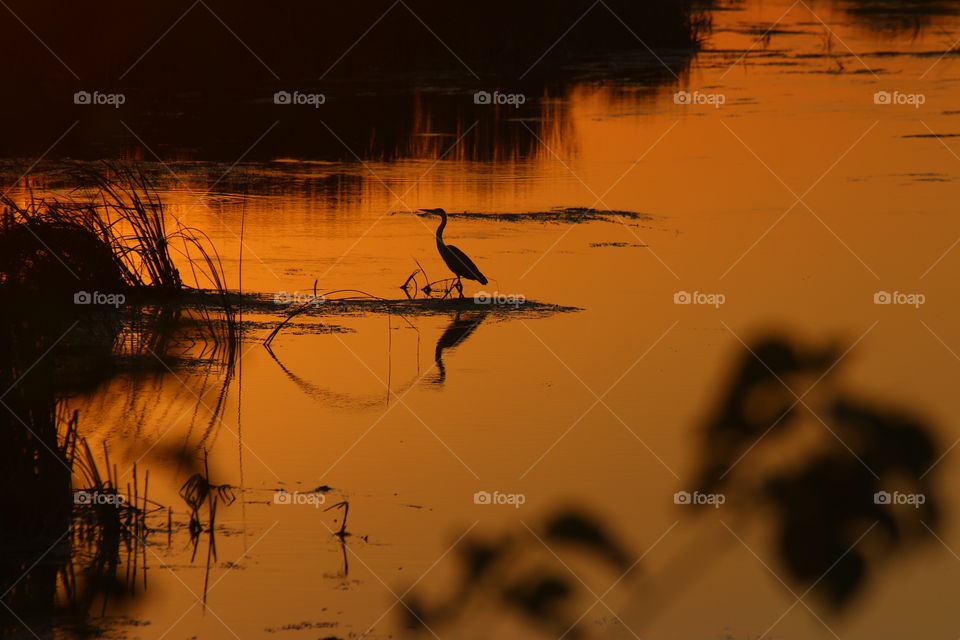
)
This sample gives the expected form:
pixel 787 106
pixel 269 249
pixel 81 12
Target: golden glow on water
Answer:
pixel 797 199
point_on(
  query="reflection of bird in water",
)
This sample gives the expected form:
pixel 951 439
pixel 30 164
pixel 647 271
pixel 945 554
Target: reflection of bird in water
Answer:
pixel 457 261
pixel 458 331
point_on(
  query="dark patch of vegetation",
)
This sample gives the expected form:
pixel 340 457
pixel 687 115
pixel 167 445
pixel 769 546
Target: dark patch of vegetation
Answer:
pixel 931 135
pixel 556 215
pixel 413 308
pixel 300 626
pixel 900 16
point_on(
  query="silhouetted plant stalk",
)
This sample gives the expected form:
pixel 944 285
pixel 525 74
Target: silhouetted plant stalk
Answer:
pixel 342 534
pixel 411 284
pixel 122 512
pixel 197 491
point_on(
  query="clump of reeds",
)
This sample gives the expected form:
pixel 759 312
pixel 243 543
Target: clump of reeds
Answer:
pixel 113 235
pixel 120 219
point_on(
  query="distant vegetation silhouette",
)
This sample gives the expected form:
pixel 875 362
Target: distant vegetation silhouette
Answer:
pixel 301 40
pixel 205 88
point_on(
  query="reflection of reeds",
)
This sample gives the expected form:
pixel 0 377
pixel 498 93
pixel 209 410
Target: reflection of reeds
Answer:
pixel 130 509
pixel 105 529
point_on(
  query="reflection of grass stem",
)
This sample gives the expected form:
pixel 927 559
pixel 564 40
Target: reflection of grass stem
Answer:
pixel 342 532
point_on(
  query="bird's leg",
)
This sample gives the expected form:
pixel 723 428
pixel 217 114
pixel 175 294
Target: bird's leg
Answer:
pixel 459 286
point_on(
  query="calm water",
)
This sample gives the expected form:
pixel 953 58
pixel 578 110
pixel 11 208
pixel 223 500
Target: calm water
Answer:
pixel 793 203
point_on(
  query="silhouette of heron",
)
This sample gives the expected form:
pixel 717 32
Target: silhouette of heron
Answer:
pixel 457 261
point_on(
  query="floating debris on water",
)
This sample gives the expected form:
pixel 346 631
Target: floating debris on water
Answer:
pixel 555 215
pixel 617 244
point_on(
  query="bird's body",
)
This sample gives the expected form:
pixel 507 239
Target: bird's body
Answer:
pixel 456 260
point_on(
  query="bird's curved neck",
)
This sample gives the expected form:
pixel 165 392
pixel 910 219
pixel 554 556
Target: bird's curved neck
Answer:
pixel 443 224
